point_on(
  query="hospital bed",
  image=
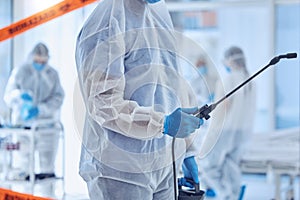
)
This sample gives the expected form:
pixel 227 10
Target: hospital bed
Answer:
pixel 275 154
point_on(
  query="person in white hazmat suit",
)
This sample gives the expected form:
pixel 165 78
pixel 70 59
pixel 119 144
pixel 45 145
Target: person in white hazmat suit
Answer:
pixel 136 102
pixel 204 86
pixel 34 92
pixel 232 122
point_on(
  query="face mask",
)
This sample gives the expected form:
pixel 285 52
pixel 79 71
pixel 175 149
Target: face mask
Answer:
pixel 152 1
pixel 202 70
pixel 38 66
pixel 228 69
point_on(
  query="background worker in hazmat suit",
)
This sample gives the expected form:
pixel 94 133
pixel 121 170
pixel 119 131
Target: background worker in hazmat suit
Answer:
pixel 232 122
pixel 136 102
pixel 34 92
pixel 204 86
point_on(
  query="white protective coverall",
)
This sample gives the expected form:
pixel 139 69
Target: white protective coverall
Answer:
pixel 47 94
pixel 231 125
pixel 130 79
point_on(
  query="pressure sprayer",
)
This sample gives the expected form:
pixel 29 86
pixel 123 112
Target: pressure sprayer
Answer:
pixel 203 112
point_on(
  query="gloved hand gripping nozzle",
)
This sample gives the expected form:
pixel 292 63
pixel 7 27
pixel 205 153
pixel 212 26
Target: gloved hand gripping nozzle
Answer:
pixel 204 111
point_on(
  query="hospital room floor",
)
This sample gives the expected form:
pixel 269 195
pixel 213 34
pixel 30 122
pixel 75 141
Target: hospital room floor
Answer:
pixel 259 187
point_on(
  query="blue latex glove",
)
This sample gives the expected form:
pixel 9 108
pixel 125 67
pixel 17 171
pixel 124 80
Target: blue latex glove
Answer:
pixel 29 112
pixel 26 97
pixel 184 182
pixel 181 123
pixel 190 170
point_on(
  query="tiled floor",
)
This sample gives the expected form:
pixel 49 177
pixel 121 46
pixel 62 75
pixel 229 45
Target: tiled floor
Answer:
pixel 258 187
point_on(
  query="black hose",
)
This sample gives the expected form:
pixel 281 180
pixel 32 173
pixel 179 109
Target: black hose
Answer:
pixel 174 169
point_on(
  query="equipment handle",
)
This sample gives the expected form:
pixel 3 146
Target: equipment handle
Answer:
pixel 191 181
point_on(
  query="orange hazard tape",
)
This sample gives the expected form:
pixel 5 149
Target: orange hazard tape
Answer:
pixel 42 17
pixel 10 195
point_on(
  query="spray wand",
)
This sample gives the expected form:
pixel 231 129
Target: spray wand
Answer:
pixel 204 112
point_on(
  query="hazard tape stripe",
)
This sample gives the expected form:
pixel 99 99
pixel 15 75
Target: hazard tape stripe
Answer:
pixel 42 17
pixel 9 194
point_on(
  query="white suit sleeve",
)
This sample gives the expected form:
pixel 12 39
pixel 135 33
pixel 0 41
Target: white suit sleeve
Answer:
pixel 100 63
pixel 12 91
pixel 55 100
